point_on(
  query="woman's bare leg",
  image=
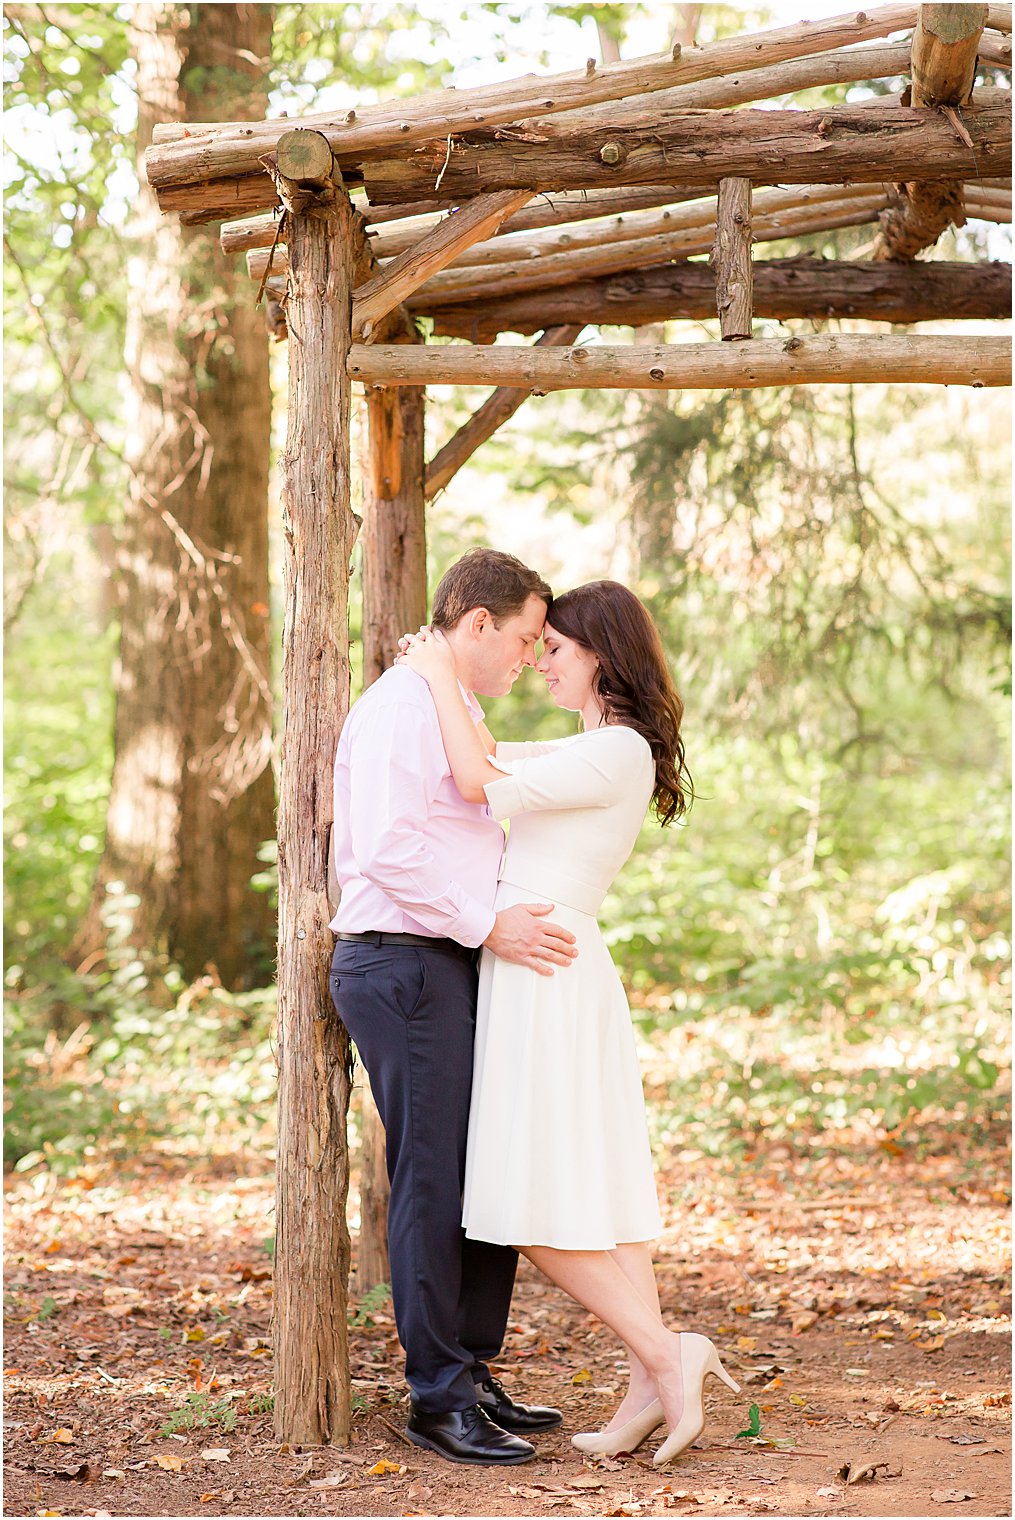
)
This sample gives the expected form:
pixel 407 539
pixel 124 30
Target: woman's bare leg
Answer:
pixel 598 1282
pixel 635 1261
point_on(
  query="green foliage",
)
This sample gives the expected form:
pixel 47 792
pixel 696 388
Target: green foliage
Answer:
pixel 754 1423
pixel 148 1060
pixel 199 1411
pixel 370 1304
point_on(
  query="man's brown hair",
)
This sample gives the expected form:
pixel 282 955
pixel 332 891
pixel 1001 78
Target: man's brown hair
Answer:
pixel 485 578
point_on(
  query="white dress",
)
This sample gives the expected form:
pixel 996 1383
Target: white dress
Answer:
pixel 558 1151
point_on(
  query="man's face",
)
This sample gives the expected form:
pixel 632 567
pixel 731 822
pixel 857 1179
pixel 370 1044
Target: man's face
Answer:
pixel 501 654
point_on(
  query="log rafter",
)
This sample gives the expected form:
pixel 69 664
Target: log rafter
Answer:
pixel 190 153
pixel 527 251
pixel 435 250
pixel 824 358
pixel 784 289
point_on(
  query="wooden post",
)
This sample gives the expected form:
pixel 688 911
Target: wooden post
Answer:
pixel 394 542
pixel 394 601
pixel 945 46
pixel 731 258
pixel 312 1394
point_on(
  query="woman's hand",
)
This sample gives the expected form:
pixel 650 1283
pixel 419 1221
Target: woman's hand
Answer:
pixel 427 653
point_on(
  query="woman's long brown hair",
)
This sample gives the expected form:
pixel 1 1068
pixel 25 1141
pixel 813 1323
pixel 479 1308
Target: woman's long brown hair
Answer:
pixel 632 683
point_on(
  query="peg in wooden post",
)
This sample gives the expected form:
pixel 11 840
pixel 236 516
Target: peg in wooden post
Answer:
pixel 731 258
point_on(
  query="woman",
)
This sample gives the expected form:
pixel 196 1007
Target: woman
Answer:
pixel 558 1158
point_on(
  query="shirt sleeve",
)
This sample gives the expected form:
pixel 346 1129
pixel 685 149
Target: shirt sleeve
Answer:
pixel 394 774
pixel 586 771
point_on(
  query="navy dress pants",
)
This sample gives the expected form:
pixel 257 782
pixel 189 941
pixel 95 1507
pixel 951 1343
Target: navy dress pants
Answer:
pixel 411 1013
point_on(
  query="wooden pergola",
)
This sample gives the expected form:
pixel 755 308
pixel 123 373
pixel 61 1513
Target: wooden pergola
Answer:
pixel 548 205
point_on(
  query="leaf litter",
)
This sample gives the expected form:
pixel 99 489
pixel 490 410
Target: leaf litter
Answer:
pixel 793 1296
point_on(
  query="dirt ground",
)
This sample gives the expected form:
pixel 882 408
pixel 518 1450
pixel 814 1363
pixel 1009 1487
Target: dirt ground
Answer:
pixel 859 1294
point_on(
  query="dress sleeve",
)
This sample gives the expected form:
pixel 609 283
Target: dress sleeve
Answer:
pixel 585 771
pixel 525 749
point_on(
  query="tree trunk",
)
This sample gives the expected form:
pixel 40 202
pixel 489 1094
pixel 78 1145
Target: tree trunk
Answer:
pixel 312 1393
pixel 192 794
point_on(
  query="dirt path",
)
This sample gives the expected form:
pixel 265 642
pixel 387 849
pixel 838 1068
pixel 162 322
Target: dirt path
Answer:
pixel 860 1298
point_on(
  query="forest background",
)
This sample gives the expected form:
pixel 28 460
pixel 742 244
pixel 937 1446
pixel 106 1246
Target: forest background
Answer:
pixel 820 952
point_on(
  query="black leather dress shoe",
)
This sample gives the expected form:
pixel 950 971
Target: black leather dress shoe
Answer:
pixel 467 1435
pixel 502 1409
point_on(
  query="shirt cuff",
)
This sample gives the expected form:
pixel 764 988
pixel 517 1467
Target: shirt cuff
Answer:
pixel 472 925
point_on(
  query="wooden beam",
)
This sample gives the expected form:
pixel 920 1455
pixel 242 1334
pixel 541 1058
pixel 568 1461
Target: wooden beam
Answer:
pixel 784 289
pixel 870 141
pixel 192 153
pixel 840 66
pixel 999 17
pixel 562 209
pixel 980 211
pixel 731 258
pixel 309 1324
pixel 496 409
pixel 945 46
pixel 473 283
pixel 432 253
pixel 527 250
pixel 695 366
pixel 259 231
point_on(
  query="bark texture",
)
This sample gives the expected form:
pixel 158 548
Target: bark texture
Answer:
pixel 192 794
pixel 731 258
pixel 783 289
pixel 869 141
pixel 312 1395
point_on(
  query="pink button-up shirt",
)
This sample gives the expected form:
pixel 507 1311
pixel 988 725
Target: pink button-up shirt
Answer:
pixel 412 857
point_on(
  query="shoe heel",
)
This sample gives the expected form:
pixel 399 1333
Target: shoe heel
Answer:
pixel 715 1366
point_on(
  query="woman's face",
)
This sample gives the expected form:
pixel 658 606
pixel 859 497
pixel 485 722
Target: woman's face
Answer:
pixel 569 670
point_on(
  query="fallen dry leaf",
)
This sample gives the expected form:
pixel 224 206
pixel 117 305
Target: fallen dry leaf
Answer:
pixel 332 1480
pixel 587 1480
pixel 215 1454
pixel 860 1471
pixel 803 1321
pixel 62 1437
pixel 384 1466
pixel 170 1463
pixel 583 1376
pixel 951 1495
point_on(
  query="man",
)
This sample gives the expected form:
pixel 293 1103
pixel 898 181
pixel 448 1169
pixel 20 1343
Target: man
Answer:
pixel 418 870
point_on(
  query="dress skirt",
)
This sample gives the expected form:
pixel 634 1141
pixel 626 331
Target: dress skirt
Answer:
pixel 558 1152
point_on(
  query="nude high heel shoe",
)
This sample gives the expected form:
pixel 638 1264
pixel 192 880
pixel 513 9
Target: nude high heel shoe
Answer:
pixel 698 1357
pixel 607 1443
